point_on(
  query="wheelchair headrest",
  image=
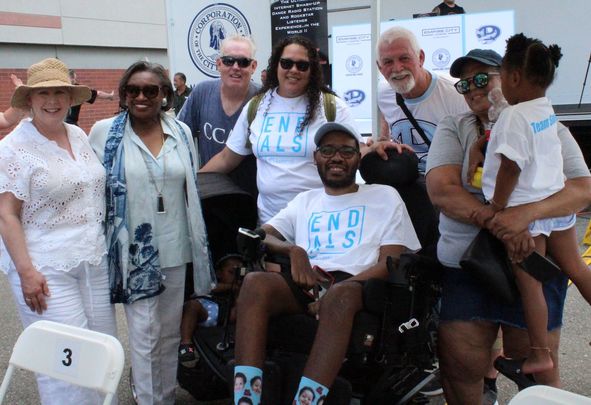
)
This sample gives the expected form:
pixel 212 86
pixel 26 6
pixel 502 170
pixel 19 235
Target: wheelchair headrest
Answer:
pixel 400 169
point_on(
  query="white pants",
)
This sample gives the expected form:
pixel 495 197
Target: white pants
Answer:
pixel 79 297
pixel 154 336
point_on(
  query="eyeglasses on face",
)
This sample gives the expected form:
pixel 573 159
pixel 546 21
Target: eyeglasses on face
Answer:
pixel 149 91
pixel 300 65
pixel 480 81
pixel 328 151
pixel 230 60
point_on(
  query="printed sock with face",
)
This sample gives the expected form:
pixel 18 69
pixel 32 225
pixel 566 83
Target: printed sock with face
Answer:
pixel 248 385
pixel 310 392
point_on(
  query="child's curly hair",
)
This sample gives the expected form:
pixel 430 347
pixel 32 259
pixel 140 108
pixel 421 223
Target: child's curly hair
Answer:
pixel 537 61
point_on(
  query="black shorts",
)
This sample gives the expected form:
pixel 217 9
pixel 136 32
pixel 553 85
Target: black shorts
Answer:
pixel 301 296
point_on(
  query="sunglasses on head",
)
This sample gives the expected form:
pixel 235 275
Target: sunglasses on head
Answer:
pixel 149 91
pixel 328 151
pixel 300 65
pixel 480 81
pixel 230 60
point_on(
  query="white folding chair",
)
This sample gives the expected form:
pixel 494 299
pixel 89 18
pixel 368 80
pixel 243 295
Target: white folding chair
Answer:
pixel 78 356
pixel 544 395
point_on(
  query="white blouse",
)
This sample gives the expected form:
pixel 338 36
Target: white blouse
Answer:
pixel 63 198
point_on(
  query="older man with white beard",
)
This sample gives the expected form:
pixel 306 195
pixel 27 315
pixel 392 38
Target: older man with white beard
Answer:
pixel 429 97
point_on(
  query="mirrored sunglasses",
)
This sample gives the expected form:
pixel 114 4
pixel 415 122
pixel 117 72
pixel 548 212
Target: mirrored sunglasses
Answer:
pixel 328 151
pixel 230 60
pixel 300 65
pixel 480 80
pixel 150 91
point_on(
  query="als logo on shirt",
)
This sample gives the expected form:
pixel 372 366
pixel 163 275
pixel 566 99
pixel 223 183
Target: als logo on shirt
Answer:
pixel 488 33
pixel 279 136
pixel 404 132
pixel 209 28
pixel 335 232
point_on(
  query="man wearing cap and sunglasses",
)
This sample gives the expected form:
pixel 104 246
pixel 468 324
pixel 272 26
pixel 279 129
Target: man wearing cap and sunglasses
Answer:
pixel 342 232
pixel 212 108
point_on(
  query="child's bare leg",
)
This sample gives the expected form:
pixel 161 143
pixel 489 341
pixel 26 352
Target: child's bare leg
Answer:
pixel 536 316
pixel 193 313
pixel 564 248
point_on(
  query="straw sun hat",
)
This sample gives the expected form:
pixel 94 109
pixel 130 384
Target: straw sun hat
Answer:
pixel 45 74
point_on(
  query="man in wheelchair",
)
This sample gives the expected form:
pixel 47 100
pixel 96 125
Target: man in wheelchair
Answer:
pixel 344 232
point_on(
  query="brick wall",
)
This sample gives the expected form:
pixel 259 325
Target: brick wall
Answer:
pixel 100 79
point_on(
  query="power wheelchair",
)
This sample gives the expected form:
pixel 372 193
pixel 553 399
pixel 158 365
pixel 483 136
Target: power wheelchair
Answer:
pixel 393 338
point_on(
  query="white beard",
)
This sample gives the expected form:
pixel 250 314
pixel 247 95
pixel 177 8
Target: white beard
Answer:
pixel 403 86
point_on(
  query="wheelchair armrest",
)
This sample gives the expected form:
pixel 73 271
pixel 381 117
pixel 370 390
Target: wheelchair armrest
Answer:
pixel 413 265
pixel 282 260
pixel 375 295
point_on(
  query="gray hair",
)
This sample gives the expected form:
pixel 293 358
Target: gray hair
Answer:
pixel 239 38
pixel 394 33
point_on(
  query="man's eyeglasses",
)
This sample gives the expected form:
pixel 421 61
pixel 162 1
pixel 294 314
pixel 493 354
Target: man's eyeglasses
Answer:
pixel 149 91
pixel 300 65
pixel 328 151
pixel 230 60
pixel 480 81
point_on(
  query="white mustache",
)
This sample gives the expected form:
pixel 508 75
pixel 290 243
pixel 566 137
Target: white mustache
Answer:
pixel 398 76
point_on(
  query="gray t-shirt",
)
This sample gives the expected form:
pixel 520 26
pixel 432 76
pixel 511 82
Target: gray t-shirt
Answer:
pixel 451 144
pixel 204 114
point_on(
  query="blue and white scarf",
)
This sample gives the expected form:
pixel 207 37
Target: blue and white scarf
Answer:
pixel 134 268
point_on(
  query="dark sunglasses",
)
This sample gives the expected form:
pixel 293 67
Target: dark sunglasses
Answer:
pixel 328 151
pixel 230 60
pixel 300 65
pixel 149 91
pixel 480 81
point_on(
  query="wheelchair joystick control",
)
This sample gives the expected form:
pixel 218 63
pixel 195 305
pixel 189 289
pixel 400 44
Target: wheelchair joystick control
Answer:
pixel 406 326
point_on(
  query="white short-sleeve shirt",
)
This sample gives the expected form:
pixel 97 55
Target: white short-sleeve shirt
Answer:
pixel 346 232
pixel 285 159
pixel 526 133
pixel 63 198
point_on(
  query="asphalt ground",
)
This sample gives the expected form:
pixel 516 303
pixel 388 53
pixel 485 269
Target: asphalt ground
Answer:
pixel 575 352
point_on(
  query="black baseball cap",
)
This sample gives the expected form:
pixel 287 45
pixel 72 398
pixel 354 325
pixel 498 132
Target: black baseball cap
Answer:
pixel 485 56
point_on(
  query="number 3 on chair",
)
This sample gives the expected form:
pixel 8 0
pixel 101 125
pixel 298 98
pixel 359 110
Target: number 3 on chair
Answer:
pixel 67 354
pixel 68 360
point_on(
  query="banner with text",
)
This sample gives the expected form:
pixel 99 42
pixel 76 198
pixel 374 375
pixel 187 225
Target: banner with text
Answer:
pixel 300 17
pixel 443 39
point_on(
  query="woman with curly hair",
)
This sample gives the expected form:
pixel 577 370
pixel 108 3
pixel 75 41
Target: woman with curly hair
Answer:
pixel 281 136
pixel 154 225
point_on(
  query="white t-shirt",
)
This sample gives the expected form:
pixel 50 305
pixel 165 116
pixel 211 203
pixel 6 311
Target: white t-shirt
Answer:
pixel 63 199
pixel 527 134
pixel 285 160
pixel 346 232
pixel 439 100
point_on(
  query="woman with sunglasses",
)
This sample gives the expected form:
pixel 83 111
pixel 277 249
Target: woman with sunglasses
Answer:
pixel 52 191
pixel 154 225
pixel 470 315
pixel 281 136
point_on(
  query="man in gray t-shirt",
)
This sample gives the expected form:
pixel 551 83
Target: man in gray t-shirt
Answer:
pixel 212 108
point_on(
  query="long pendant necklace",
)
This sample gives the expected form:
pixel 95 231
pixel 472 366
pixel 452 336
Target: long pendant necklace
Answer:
pixel 159 197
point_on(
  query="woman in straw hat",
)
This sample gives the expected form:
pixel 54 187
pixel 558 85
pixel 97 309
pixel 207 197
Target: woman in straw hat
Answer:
pixel 154 224
pixel 51 212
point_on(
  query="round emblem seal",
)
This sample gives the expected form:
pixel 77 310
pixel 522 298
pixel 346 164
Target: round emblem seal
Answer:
pixel 354 64
pixel 207 31
pixel 441 57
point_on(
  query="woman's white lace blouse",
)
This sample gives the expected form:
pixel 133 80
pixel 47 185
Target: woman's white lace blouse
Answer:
pixel 63 199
